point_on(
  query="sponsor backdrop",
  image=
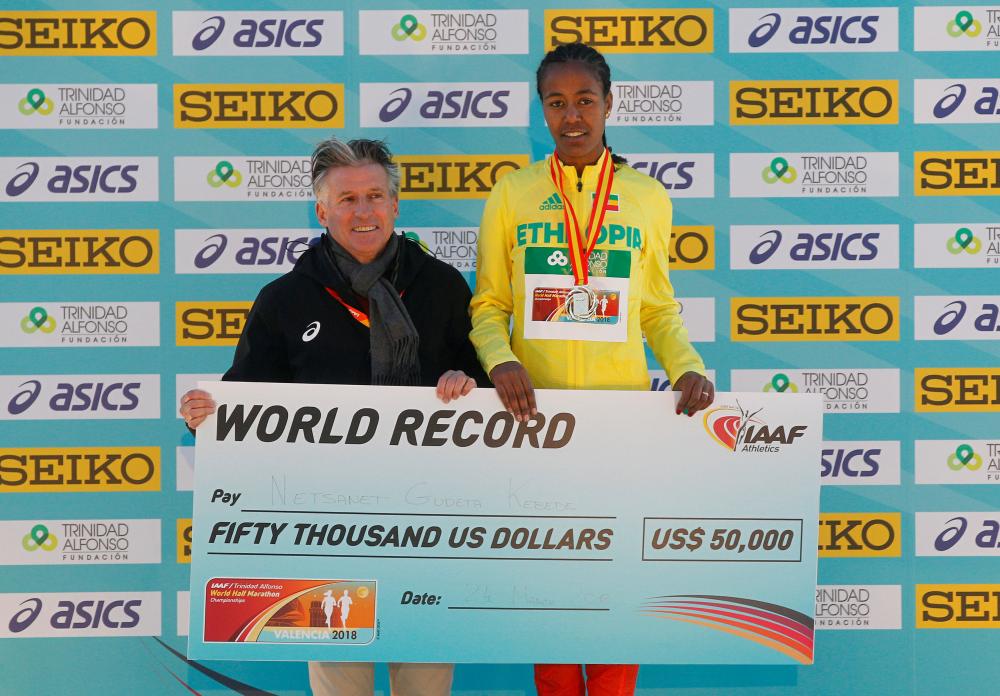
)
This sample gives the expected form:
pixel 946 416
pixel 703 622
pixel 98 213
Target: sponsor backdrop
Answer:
pixel 836 231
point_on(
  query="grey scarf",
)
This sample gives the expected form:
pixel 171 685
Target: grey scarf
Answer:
pixel 394 339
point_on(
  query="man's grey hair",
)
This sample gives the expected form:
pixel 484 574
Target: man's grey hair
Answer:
pixel 333 153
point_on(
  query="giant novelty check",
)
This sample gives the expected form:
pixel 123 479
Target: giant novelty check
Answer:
pixel 371 524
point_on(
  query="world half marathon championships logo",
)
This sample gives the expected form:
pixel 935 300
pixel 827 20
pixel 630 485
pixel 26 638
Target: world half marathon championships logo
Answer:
pixel 739 429
pixel 964 25
pixel 964 240
pixel 224 173
pixel 38 320
pixel 779 170
pixel 964 457
pixel 35 102
pixel 777 627
pixel 409 28
pixel 39 538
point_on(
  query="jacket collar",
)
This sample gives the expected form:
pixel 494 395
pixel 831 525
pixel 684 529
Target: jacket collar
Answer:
pixel 409 262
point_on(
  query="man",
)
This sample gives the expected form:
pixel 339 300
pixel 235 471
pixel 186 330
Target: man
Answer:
pixel 364 306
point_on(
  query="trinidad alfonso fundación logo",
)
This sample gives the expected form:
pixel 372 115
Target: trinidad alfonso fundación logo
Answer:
pixel 739 429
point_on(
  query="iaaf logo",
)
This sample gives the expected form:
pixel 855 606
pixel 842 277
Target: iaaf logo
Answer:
pixel 956 245
pixel 813 246
pixel 808 30
pixel 739 429
pixel 951 101
pixel 650 103
pixel 683 175
pixel 813 174
pixel 444 104
pixel 240 250
pixel 63 397
pixel 958 534
pixel 77 106
pixel 78 179
pixel 945 317
pixel 79 614
pixel 258 33
pixel 956 28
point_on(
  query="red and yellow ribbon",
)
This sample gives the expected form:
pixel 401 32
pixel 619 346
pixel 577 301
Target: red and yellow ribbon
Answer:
pixel 580 247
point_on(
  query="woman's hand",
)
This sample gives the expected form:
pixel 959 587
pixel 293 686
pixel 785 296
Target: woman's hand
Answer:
pixel 697 393
pixel 196 406
pixel 454 384
pixel 515 389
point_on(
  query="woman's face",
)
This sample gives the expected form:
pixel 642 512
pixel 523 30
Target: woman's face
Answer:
pixel 575 109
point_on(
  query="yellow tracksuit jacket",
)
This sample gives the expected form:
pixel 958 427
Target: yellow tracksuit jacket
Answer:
pixel 524 213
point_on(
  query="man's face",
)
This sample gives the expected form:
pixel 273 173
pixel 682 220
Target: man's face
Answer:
pixel 355 205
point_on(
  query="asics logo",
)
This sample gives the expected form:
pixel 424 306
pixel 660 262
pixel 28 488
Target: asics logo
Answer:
pixel 311 332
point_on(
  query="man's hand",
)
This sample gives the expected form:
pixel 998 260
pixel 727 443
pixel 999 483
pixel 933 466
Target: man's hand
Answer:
pixel 515 389
pixel 697 393
pixel 196 406
pixel 454 384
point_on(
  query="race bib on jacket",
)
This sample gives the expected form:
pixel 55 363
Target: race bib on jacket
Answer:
pixel 553 304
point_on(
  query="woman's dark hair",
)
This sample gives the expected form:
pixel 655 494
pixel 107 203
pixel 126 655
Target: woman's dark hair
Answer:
pixel 592 59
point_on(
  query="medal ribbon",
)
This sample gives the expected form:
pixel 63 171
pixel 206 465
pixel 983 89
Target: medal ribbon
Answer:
pixel 580 247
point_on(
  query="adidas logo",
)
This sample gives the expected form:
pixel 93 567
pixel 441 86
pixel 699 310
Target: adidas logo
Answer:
pixel 553 202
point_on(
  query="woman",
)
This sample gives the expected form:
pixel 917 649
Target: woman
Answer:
pixel 583 289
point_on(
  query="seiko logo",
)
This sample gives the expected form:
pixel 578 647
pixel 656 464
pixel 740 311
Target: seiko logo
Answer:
pixel 957 389
pixel 78 251
pixel 286 105
pixel 814 102
pixel 58 470
pixel 632 31
pixel 311 332
pixel 826 318
pixel 215 323
pixel 957 173
pixel 958 606
pixel 859 534
pixel 78 33
pixel 469 176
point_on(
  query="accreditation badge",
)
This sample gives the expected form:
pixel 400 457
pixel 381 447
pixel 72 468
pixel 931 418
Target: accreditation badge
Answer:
pixel 556 307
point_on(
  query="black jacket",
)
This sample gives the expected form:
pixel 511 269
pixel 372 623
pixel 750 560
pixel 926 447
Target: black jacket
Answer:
pixel 281 344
